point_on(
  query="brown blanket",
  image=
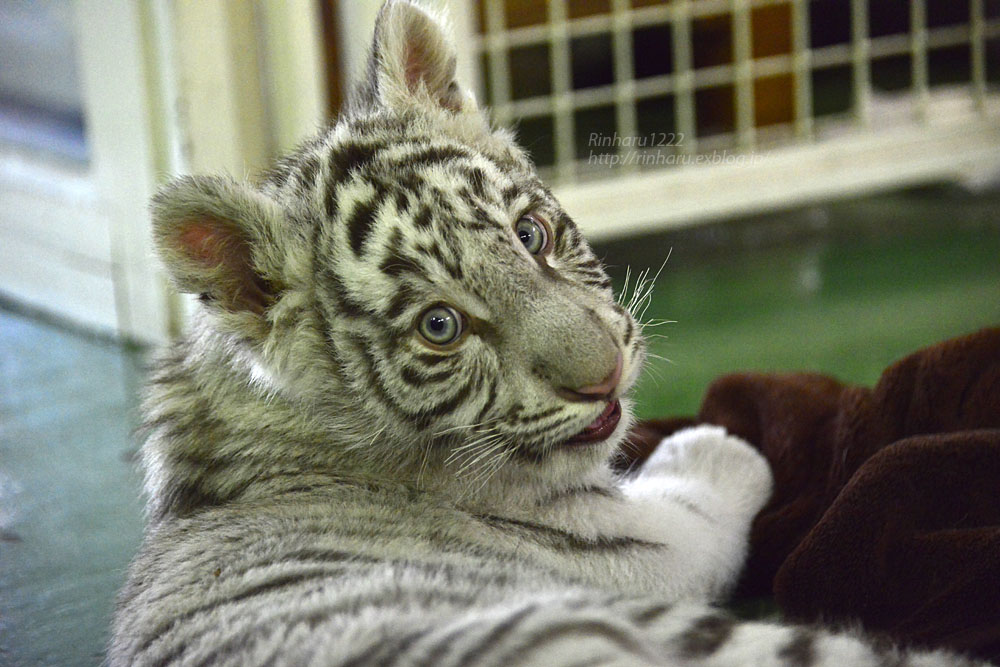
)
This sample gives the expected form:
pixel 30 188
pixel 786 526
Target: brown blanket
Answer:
pixel 887 501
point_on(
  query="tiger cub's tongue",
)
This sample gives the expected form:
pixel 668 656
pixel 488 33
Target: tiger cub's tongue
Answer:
pixel 600 428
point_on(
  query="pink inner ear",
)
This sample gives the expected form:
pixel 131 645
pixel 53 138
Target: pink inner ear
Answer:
pixel 416 67
pixel 200 242
pixel 417 70
pixel 219 247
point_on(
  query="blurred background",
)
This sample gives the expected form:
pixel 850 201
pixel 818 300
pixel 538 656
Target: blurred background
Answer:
pixel 823 175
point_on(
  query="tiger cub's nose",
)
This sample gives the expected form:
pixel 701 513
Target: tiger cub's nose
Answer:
pixel 601 391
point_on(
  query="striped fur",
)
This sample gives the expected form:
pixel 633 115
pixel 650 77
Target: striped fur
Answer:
pixel 328 487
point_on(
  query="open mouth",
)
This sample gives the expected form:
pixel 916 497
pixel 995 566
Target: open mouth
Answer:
pixel 601 428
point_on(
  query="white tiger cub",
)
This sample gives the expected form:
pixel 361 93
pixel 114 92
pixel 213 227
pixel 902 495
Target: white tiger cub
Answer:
pixel 386 438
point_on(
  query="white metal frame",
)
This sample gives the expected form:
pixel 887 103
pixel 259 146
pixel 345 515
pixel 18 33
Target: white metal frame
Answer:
pixel 73 237
pixel 941 134
pixel 168 87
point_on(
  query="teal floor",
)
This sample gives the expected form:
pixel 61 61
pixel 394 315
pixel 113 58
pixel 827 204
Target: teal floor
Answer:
pixel 844 289
pixel 70 510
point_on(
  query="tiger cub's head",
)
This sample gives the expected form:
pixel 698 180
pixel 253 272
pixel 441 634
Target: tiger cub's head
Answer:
pixel 408 282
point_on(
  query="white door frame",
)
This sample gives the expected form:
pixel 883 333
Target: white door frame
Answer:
pixel 168 86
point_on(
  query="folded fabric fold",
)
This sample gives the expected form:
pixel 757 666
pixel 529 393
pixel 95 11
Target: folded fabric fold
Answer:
pixel 887 500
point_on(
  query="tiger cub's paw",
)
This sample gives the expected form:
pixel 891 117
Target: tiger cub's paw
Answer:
pixel 731 466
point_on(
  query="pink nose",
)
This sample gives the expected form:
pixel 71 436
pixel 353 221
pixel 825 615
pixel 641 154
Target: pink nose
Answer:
pixel 596 392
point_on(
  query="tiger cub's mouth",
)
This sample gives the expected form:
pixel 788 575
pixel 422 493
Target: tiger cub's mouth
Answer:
pixel 601 428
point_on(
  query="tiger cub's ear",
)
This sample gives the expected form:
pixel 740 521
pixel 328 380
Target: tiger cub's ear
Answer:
pixel 413 61
pixel 218 238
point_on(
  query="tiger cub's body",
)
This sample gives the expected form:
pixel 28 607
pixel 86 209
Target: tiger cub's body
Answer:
pixel 386 438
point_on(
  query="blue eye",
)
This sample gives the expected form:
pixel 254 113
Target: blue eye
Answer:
pixel 441 325
pixel 533 234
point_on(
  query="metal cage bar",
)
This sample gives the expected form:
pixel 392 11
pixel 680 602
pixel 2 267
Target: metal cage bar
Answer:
pixel 977 45
pixel 860 55
pixel 562 89
pixel 918 45
pixel 830 56
pixel 499 75
pixel 621 44
pixel 743 65
pixel 684 80
pixel 802 79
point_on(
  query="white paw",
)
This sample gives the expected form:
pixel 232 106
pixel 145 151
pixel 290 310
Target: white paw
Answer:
pixel 729 465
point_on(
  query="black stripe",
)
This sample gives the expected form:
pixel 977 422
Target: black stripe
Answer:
pixel 348 159
pixel 650 614
pixel 801 650
pixel 330 202
pixel 446 406
pixel 423 220
pixel 602 283
pixel 591 662
pixel 442 200
pixel 396 263
pixel 345 304
pixel 589 628
pixel 629 330
pixel 374 379
pixel 393 646
pixel 417 379
pixel 545 428
pixel 308 169
pixel 402 299
pixel 277 175
pixel 234 642
pixel 314 555
pixel 361 221
pixel 432 657
pixel 532 418
pixel 422 418
pixel 278 583
pixel 490 398
pixel 431 359
pixel 411 181
pixel 402 201
pixel 432 155
pixel 571 236
pixel 706 635
pixel 562 237
pixel 477 179
pixel 577 491
pixel 300 556
pixel 592 274
pixel 691 507
pixel 561 539
pixel 465 194
pixel 494 637
pixel 386 650
pixel 509 194
pixel 183 498
pixel 454 269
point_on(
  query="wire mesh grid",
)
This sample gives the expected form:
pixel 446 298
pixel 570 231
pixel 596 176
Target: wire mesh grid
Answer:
pixel 645 84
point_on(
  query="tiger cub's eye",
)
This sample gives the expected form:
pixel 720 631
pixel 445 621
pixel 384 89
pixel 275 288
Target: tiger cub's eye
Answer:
pixel 533 233
pixel 441 325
